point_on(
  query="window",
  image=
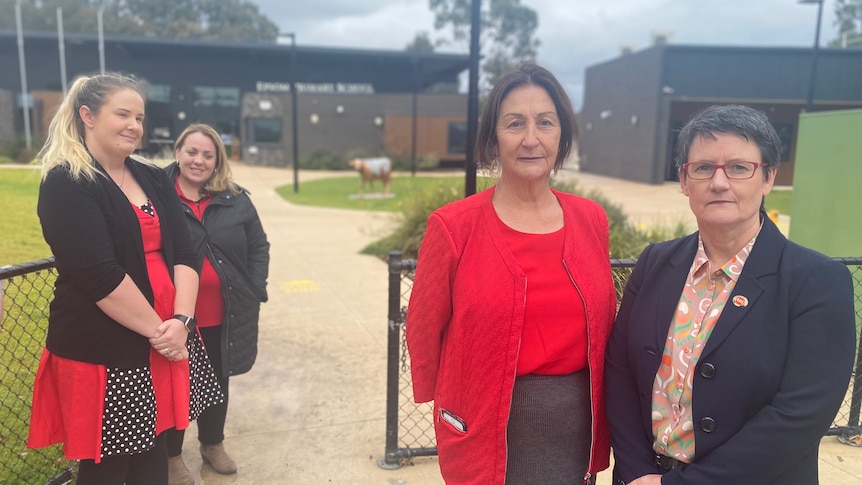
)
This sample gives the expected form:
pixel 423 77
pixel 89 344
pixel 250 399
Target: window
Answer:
pixel 217 106
pixel 264 130
pixel 158 93
pixel 209 97
pixel 785 134
pixel 457 141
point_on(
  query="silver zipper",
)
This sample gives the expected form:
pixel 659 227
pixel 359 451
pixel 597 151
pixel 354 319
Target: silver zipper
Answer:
pixel 589 373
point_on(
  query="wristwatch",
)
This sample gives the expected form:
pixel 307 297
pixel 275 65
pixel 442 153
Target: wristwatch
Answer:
pixel 189 322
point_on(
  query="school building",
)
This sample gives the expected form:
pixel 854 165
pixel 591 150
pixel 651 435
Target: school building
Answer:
pixel 349 101
pixel 635 104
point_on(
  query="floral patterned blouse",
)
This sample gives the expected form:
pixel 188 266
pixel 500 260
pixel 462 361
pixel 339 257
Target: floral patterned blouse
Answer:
pixel 703 298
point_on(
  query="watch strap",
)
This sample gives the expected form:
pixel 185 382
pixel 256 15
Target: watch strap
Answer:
pixel 189 322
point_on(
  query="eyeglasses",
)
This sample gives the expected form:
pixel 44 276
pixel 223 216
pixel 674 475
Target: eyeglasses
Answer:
pixel 733 170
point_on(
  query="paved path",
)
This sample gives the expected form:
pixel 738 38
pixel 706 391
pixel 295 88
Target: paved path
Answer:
pixel 312 411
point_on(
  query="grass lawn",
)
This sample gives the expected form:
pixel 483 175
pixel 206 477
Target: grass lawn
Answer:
pixel 23 328
pixel 779 200
pixel 21 236
pixel 337 191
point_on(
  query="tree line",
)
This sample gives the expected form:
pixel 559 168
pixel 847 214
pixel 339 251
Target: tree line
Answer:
pixel 224 20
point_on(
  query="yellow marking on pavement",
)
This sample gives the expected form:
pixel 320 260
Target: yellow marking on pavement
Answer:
pixel 300 286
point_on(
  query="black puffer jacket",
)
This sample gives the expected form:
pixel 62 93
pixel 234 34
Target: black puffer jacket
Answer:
pixel 232 236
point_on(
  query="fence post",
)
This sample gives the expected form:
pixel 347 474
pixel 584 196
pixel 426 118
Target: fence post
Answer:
pixel 856 393
pixel 392 459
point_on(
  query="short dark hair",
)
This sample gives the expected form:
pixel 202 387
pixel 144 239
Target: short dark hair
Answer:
pixel 527 75
pixel 749 123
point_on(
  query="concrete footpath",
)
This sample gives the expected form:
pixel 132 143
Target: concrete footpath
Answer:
pixel 312 410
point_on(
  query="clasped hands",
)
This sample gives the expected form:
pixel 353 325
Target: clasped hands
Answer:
pixel 170 340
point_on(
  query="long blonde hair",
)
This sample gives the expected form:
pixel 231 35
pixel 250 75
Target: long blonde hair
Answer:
pixel 65 142
pixel 221 179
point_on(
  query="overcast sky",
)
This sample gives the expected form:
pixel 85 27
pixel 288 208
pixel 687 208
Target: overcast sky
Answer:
pixel 574 34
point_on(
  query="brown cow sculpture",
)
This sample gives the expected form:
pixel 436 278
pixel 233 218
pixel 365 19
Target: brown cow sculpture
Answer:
pixel 371 169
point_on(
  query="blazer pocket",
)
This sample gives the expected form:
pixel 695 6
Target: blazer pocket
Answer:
pixel 454 421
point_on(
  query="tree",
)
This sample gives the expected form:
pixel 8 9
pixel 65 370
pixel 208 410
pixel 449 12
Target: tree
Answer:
pixel 227 20
pixel 507 32
pixel 848 19
pixel 421 44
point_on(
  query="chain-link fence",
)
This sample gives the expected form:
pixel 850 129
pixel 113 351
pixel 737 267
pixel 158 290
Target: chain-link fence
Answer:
pixel 410 426
pixel 28 291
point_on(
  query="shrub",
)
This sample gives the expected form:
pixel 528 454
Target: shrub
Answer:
pixel 405 164
pixel 323 160
pixel 18 152
pixel 626 240
pixel 412 220
pixel 5 160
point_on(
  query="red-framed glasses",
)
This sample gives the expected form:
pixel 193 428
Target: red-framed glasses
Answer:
pixel 733 170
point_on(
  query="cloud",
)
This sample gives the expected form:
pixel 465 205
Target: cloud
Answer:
pixel 574 34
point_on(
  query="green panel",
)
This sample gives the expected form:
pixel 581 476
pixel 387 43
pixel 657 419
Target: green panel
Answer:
pixel 827 183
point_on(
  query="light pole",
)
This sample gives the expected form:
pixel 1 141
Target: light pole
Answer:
pixel 809 106
pixel 472 100
pixel 62 49
pixel 293 109
pixel 414 116
pixel 101 28
pixel 22 66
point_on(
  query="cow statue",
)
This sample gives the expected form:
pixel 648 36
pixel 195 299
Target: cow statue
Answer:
pixel 371 169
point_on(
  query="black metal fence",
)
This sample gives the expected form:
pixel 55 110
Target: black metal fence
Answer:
pixel 28 291
pixel 410 427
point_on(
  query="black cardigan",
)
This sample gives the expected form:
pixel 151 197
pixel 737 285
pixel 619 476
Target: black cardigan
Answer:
pixel 96 239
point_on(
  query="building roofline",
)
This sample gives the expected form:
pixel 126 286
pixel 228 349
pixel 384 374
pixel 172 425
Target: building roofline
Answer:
pixel 198 43
pixel 739 49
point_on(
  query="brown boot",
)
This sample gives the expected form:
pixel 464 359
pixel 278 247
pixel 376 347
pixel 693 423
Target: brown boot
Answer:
pixel 178 472
pixel 218 459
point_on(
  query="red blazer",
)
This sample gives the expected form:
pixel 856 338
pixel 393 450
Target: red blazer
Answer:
pixel 464 325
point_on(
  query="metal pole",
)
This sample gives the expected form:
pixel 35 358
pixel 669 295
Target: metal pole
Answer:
pixel 415 114
pixel 294 113
pixel 472 101
pixel 22 67
pixel 62 46
pixel 809 106
pixel 101 39
pixel 392 460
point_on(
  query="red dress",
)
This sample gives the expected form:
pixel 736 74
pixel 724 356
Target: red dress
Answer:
pixel 87 406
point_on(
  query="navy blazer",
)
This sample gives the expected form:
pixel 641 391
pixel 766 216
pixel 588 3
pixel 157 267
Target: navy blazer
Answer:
pixel 769 381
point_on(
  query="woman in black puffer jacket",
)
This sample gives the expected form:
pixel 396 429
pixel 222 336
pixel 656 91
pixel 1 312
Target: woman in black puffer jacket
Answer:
pixel 234 252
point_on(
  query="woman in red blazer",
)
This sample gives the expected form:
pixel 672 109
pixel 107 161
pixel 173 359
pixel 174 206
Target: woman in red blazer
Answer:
pixel 513 303
pixel 733 346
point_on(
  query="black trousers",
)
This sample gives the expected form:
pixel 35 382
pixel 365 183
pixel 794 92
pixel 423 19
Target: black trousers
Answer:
pixel 211 421
pixel 148 468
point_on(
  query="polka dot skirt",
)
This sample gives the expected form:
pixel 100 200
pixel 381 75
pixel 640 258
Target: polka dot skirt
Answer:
pixel 205 390
pixel 129 420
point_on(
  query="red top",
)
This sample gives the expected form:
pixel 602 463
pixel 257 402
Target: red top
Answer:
pixel 209 308
pixel 554 335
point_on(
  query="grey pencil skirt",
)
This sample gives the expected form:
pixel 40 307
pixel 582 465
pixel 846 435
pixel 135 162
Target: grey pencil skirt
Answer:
pixel 549 430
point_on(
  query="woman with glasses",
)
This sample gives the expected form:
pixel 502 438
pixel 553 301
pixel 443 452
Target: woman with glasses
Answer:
pixel 733 346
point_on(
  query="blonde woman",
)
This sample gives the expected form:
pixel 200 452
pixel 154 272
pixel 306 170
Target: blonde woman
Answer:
pixel 116 356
